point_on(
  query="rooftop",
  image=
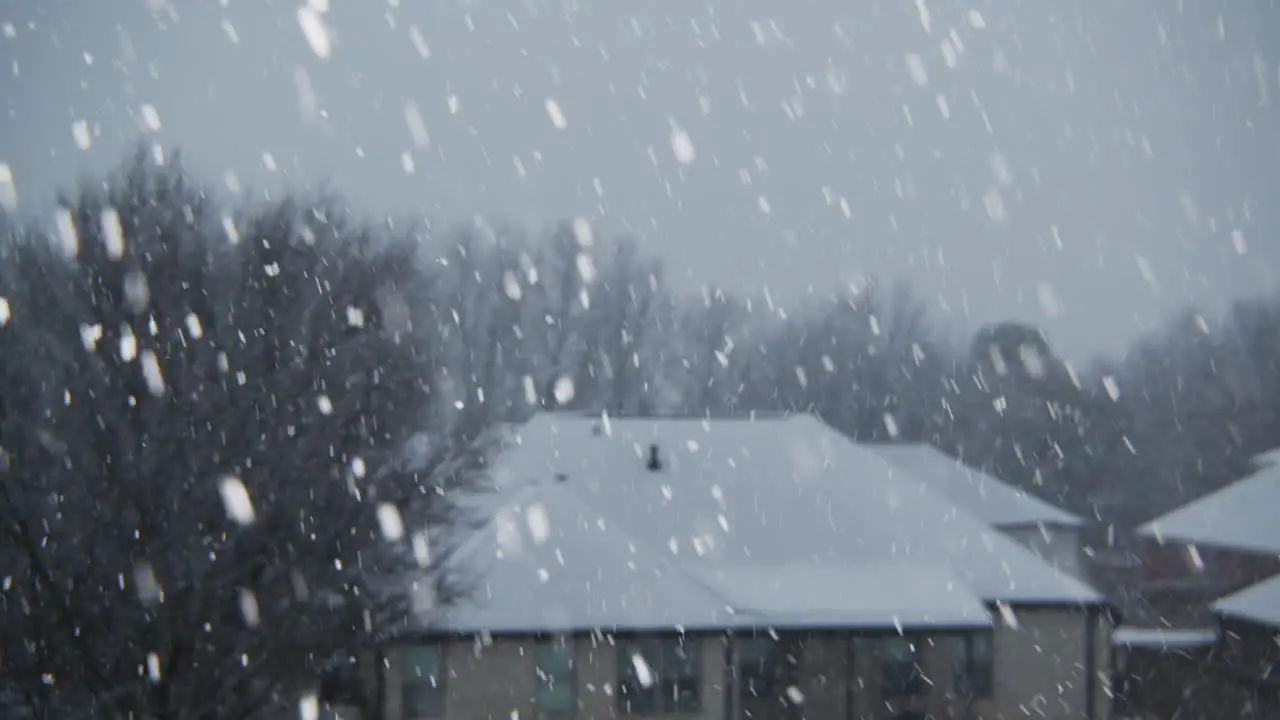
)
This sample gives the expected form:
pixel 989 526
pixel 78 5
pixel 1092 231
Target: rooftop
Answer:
pixel 548 562
pixel 778 521
pixel 1259 603
pixel 1164 638
pixel 992 500
pixel 1240 516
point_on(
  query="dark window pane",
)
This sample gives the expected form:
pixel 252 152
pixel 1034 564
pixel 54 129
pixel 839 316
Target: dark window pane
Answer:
pixel 759 663
pixel 423 682
pixel 900 671
pixel 681 695
pixel 680 676
pixel 975 678
pixel 638 666
pixel 556 685
pixel 659 676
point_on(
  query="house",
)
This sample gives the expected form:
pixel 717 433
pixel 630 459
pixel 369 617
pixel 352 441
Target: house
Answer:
pixel 1207 645
pixel 729 569
pixel 1051 532
pixel 1213 546
pixel 1247 659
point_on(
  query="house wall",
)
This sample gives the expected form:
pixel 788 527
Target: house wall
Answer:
pixel 1229 680
pixel 1039 671
pixel 1057 545
pixel 495 680
pixel 1251 651
pixel 1178 584
pixel 1041 666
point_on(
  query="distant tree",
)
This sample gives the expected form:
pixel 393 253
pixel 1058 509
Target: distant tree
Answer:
pixel 711 346
pixel 623 331
pixel 1023 414
pixel 215 469
pixel 1204 395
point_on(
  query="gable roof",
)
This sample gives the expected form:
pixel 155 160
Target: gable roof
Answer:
pixel 786 493
pixel 548 562
pixel 992 500
pixel 1240 516
pixel 1259 603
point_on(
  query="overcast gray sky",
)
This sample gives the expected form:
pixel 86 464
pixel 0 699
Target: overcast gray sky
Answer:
pixel 1086 165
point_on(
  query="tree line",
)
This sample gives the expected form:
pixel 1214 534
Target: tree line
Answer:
pixel 234 438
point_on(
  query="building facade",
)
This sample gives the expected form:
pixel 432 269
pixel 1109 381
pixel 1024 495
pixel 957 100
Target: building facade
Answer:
pixel 1053 665
pixel 735 570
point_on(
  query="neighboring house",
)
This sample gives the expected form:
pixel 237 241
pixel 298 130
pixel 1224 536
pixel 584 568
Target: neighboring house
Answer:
pixel 1210 569
pixel 730 569
pixel 1248 657
pixel 1213 546
pixel 1051 532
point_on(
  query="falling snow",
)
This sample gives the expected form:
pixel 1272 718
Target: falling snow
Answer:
pixel 81 134
pixel 150 117
pixel 558 120
pixel 235 500
pixel 8 190
pixel 682 145
pixel 314 30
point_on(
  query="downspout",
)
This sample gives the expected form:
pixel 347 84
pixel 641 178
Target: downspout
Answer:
pixel 379 684
pixel 733 688
pixel 1091 664
pixel 850 675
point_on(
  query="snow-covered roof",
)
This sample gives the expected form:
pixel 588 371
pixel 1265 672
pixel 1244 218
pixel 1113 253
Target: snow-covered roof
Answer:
pixel 990 499
pixel 1163 638
pixel 548 562
pixel 784 492
pixel 1259 603
pixel 1267 459
pixel 873 596
pixel 1240 516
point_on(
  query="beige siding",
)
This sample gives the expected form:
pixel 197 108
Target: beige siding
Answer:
pixel 1058 546
pixel 496 680
pixel 1039 672
pixel 1040 667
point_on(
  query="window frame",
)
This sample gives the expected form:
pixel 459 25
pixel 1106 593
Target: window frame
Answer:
pixel 412 682
pixel 545 681
pixel 758 666
pixel 675 662
pixel 895 684
pixel 976 673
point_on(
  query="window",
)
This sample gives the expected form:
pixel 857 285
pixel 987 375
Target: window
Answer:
pixel 759 665
pixel 899 667
pixel 555 695
pixel 422 693
pixel 658 676
pixel 977 658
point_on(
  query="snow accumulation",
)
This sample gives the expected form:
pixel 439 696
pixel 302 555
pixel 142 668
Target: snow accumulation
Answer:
pixel 1163 638
pixel 1240 516
pixel 1259 603
pixel 548 562
pixel 1270 458
pixel 992 500
pixel 780 522
pixel 872 596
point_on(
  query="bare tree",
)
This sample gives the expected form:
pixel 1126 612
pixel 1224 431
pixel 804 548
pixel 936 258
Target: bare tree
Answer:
pixel 621 332
pixel 217 468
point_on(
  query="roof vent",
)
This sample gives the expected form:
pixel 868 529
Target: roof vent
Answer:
pixel 597 429
pixel 655 459
pixel 562 477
